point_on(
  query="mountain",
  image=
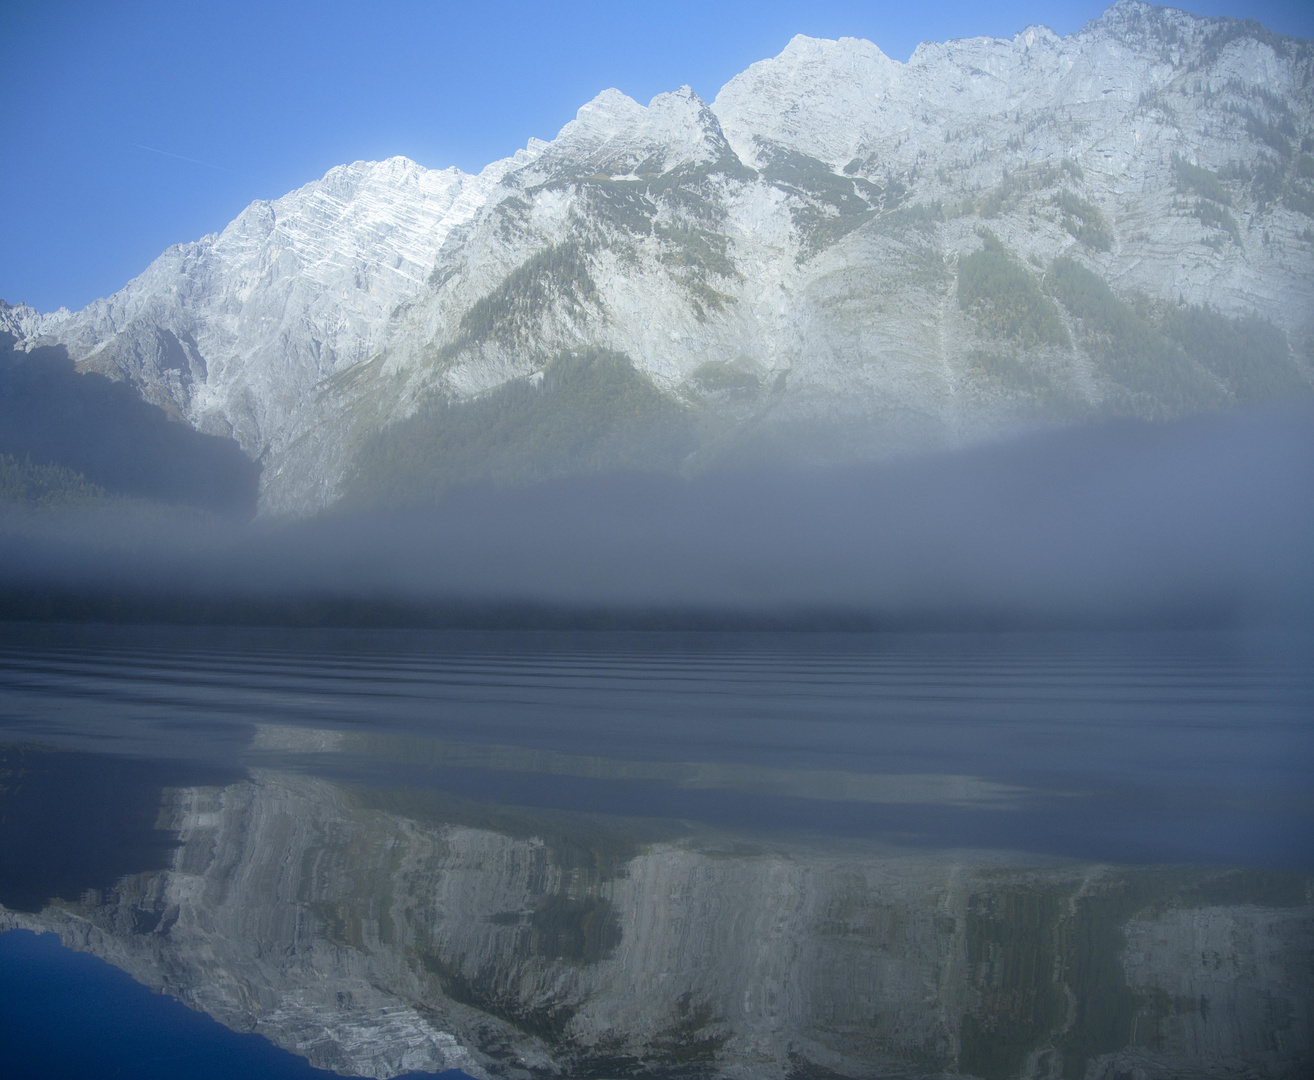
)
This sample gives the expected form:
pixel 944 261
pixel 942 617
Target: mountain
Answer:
pixel 841 256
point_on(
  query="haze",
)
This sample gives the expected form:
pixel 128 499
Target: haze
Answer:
pixel 1206 519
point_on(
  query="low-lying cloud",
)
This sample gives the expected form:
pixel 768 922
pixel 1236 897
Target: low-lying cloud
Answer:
pixel 1209 517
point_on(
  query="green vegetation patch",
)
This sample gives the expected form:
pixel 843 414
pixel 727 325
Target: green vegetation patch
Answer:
pixel 681 208
pixel 1091 946
pixel 724 378
pixel 1300 198
pixel 1275 134
pixel 692 191
pixel 1213 216
pixel 631 206
pixel 486 990
pixel 994 202
pixel 622 205
pixel 922 218
pixel 1226 31
pixel 1015 185
pixel 699 250
pixel 507 314
pixel 697 254
pixel 1128 345
pixel 1084 221
pixel 820 230
pixel 1005 300
pixel 1263 888
pixel 832 205
pixel 592 412
pixel 704 298
pixel 579 930
pixel 804 175
pixel 44 487
pixel 1249 355
pixel 924 265
pixel 1186 357
pixel 1015 374
pixel 1266 179
pixel 511 213
pixel 1204 182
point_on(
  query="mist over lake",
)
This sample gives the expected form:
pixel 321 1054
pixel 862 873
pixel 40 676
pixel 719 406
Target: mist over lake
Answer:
pixel 1204 519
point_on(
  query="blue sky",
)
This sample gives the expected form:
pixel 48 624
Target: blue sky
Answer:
pixel 133 126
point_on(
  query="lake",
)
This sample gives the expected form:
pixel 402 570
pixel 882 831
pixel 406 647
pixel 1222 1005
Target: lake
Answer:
pixel 804 856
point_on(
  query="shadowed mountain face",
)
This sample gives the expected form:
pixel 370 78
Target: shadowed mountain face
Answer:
pixel 841 257
pixel 50 414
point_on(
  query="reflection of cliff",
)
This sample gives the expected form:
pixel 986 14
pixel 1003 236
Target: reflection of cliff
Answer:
pixel 376 933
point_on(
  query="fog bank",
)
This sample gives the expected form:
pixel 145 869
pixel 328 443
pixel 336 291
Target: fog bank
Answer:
pixel 1207 518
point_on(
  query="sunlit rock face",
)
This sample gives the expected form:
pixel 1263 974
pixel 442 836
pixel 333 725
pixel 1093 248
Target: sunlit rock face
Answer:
pixel 378 932
pixel 794 270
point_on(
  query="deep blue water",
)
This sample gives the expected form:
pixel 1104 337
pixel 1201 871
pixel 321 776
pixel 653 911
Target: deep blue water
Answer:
pixel 67 1014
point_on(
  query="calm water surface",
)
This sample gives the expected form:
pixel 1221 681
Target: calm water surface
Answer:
pixel 1062 855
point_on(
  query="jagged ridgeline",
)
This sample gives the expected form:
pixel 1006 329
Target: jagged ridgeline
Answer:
pixel 840 257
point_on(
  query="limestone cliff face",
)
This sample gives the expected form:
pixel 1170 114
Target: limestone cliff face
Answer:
pixel 794 269
pixel 374 937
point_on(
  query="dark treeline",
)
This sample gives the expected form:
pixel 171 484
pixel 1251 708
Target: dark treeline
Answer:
pixel 45 487
pixel 181 607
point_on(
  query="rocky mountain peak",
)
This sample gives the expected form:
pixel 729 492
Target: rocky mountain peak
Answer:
pixel 815 98
pixel 842 254
pixel 614 134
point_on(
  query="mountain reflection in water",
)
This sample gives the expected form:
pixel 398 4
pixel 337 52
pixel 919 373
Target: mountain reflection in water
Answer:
pixel 995 857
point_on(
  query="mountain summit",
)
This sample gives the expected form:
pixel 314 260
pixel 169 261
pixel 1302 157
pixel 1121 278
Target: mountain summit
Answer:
pixel 841 256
